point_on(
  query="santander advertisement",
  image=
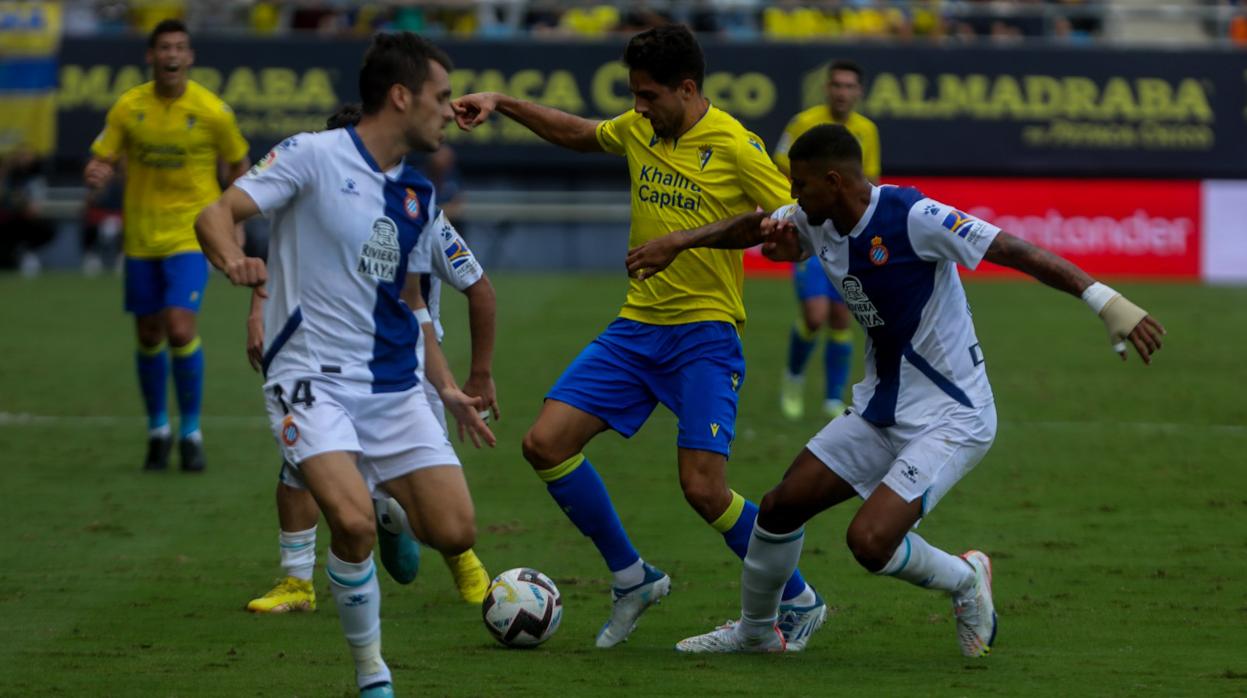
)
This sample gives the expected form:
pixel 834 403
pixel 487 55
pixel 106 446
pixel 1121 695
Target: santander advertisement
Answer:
pixel 1121 228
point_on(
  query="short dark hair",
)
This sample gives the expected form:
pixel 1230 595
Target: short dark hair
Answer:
pixel 830 142
pixel 347 115
pixel 167 26
pixel 670 54
pixel 850 66
pixel 400 58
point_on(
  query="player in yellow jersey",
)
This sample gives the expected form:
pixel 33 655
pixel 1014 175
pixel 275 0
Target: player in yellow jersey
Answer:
pixel 676 341
pixel 821 305
pixel 174 136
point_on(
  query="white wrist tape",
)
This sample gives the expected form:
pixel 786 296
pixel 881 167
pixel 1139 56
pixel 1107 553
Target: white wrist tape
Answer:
pixel 423 317
pixel 1097 296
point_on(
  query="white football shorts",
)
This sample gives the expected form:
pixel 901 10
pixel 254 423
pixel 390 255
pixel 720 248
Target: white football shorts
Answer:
pixel 912 461
pixel 392 433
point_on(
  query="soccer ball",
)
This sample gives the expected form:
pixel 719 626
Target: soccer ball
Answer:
pixel 522 608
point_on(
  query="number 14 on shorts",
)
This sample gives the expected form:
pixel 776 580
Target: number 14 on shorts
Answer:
pixel 301 395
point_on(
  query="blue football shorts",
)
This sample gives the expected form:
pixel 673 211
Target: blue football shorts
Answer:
pixel 811 282
pixel 176 281
pixel 695 370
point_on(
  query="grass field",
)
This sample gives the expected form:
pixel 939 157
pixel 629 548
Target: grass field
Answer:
pixel 1112 503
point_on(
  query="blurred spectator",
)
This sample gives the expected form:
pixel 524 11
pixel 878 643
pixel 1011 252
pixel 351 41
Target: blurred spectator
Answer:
pixel 641 16
pixel 146 14
pixel 542 17
pixel 264 18
pixel 23 190
pixel 315 17
pixel 590 20
pixel 102 228
pixel 442 171
pixel 1238 29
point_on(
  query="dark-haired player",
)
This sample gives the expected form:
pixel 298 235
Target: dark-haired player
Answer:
pixel 342 390
pixel 173 134
pixel 677 339
pixel 924 415
pixel 449 260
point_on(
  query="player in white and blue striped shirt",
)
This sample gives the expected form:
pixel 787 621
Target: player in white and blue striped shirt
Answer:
pixel 924 414
pixel 340 361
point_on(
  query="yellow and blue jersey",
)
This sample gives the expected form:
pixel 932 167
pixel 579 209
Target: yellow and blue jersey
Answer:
pixel 862 128
pixel 718 169
pixel 171 149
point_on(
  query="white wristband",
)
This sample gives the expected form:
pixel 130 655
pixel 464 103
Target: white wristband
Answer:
pixel 422 316
pixel 1097 296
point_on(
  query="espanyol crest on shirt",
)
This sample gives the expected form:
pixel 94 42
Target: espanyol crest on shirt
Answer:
pixel 878 253
pixel 412 204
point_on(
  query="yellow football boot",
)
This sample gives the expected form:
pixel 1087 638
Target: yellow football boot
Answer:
pixel 470 576
pixel 290 594
pixel 792 396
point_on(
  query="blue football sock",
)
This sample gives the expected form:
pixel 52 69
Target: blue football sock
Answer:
pixel 837 357
pixel 153 367
pixel 188 377
pixel 579 491
pixel 800 346
pixel 736 525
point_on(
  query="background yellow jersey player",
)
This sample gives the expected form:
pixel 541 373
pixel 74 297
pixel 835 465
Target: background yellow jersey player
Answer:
pixel 821 305
pixel 676 340
pixel 173 136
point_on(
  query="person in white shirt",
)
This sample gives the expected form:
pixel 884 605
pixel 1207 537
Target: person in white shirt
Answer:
pixel 444 257
pixel 924 414
pixel 343 393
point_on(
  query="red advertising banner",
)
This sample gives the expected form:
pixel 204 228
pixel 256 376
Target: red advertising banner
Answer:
pixel 1121 228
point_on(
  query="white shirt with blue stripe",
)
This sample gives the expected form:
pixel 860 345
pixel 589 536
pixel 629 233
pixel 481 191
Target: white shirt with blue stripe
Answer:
pixel 342 242
pixel 897 272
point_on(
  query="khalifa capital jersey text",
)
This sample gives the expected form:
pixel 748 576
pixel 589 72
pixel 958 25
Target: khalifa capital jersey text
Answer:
pixel 664 197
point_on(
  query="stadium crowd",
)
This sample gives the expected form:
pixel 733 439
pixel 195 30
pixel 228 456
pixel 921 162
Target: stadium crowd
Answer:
pixel 786 20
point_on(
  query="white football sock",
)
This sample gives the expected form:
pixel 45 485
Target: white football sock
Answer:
pixel 358 597
pixel 370 656
pixel 807 597
pixel 630 576
pixel 769 563
pixel 298 553
pixel 918 562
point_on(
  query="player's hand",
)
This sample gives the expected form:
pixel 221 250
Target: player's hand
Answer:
pixel 652 257
pixel 472 110
pixel 481 385
pixel 248 271
pixel 466 410
pixel 1126 321
pixel 255 341
pixel 98 173
pixel 780 242
pixel 1146 338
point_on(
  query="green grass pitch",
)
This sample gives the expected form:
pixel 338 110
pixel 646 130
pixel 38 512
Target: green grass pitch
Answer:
pixel 1112 503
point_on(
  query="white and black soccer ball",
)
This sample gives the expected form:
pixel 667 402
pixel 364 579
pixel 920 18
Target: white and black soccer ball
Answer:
pixel 523 608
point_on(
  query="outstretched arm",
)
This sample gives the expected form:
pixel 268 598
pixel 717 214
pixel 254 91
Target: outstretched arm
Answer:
pixel 736 233
pixel 1124 320
pixel 557 127
pixel 1047 268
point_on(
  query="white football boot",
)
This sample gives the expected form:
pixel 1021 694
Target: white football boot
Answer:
pixel 728 638
pixel 630 603
pixel 976 614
